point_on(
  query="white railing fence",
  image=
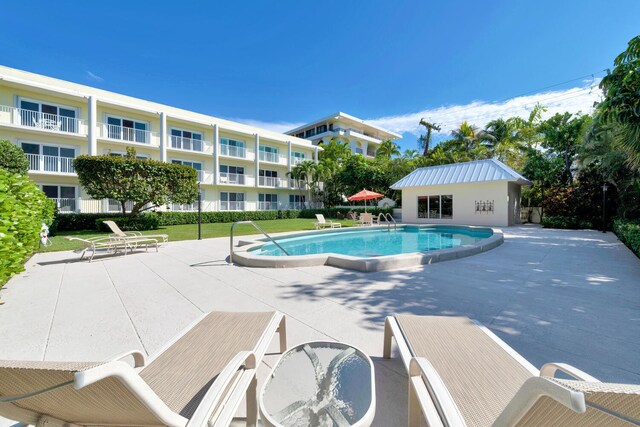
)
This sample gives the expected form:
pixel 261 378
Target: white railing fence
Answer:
pixel 269 157
pixel 231 178
pixel 66 205
pixel 267 206
pixel 121 133
pixel 269 181
pixel 233 151
pixel 43 163
pixel 36 119
pixel 231 206
pixel 189 144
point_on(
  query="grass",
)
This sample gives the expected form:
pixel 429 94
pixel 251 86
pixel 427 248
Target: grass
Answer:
pixel 190 231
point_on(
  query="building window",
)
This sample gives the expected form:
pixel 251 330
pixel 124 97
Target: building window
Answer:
pixel 49 158
pixel 309 132
pixel 48 116
pixel 297 201
pixel 231 201
pixel 435 207
pixel 186 140
pixel 231 174
pixel 267 202
pixel 269 154
pixel 127 130
pixel 268 178
pixel 300 135
pixel 297 157
pixel 64 196
pixel 232 147
pixel 321 129
pixel 196 165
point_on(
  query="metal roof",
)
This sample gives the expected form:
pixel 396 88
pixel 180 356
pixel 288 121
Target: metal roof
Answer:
pixel 461 173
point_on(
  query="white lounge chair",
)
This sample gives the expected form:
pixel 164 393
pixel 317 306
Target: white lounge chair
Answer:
pixel 199 379
pixel 94 244
pixel 323 223
pixel 461 374
pixel 134 236
pixel 365 219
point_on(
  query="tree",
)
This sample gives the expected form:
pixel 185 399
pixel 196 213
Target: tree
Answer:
pixel 147 183
pixel 12 158
pixel 335 149
pixel 410 154
pixel 387 149
pixel 468 135
pixel 621 105
pixel 425 140
pixel 308 173
pixel 500 136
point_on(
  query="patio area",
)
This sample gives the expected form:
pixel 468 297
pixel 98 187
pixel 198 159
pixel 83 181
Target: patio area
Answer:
pixel 553 295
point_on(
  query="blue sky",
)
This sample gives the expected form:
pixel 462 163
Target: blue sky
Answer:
pixel 284 63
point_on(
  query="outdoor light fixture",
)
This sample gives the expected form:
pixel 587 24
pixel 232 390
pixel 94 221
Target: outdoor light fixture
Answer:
pixel 199 212
pixel 604 209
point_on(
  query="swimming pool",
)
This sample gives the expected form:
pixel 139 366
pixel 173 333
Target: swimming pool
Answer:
pixel 364 242
pixel 370 248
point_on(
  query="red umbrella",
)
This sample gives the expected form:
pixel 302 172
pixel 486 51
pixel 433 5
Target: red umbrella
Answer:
pixel 365 195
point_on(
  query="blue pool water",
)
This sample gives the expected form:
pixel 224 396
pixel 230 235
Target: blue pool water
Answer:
pixel 375 242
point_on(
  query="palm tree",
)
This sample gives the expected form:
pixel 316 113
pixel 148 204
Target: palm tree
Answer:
pixel 468 135
pixel 387 149
pixel 335 149
pixel 410 154
pixel 308 172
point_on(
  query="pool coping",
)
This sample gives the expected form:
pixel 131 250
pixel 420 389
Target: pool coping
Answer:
pixel 243 256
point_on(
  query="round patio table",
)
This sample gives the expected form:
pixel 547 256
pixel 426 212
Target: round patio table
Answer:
pixel 319 384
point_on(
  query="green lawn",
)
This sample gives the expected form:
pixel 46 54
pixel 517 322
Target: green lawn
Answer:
pixel 190 231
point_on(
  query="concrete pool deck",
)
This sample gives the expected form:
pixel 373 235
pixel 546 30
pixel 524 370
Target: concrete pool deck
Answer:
pixel 553 295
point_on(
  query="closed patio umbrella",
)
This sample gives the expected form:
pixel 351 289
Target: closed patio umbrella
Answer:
pixel 365 195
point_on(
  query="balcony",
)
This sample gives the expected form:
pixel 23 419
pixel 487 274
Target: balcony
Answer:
pixel 267 206
pixel 232 178
pixel 298 184
pixel 297 206
pixel 297 160
pixel 231 206
pixel 184 208
pixel 66 205
pixel 269 181
pixel 233 151
pixel 266 156
pixel 126 134
pixel 188 144
pixel 42 163
pixel 42 121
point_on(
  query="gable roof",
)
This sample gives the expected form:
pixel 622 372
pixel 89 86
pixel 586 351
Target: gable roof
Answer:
pixel 461 173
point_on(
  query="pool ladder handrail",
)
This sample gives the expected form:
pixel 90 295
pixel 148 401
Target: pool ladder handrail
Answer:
pixel 389 219
pixel 259 229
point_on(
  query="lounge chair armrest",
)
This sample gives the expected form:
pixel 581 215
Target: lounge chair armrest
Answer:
pixel 550 369
pixel 435 396
pixel 208 403
pixel 139 358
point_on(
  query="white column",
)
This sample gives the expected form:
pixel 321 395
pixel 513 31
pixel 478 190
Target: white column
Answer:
pixel 289 157
pixel 257 159
pixel 365 148
pixel 163 137
pixel 353 144
pixel 216 152
pixel 92 125
pixel 315 154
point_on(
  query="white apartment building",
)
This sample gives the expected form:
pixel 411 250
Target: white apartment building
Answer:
pixel 240 167
pixel 362 137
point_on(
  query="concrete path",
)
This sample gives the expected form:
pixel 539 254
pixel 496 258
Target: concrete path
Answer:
pixel 553 295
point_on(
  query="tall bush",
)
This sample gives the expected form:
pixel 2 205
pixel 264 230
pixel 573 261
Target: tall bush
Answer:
pixel 12 158
pixel 23 208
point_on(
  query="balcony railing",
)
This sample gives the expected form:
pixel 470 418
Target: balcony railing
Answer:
pixel 115 206
pixel 297 206
pixel 38 120
pixel 188 144
pixel 269 157
pixel 231 178
pixel 120 133
pixel 297 160
pixel 231 206
pixel 65 205
pixel 200 176
pixel 298 184
pixel 233 151
pixel 269 181
pixel 184 208
pixel 267 206
pixel 42 163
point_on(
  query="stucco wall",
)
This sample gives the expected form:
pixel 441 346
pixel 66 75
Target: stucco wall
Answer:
pixel 464 198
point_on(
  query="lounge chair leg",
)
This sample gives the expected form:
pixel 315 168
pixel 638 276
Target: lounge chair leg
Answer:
pixel 415 414
pixel 388 334
pixel 252 403
pixel 282 330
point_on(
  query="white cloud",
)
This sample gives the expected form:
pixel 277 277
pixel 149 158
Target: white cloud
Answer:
pixel 480 113
pixel 94 77
pixel 280 127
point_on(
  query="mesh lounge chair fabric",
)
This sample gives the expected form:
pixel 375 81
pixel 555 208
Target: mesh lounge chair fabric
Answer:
pixel 176 380
pixel 134 235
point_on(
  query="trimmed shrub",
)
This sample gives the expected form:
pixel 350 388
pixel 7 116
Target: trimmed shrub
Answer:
pixel 23 209
pixel 629 233
pixel 567 222
pixel 149 221
pixel 79 221
pixel 12 158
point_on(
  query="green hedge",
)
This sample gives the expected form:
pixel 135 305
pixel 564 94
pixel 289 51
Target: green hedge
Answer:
pixel 148 221
pixel 567 222
pixel 23 209
pixel 629 233
pixel 75 221
pixel 179 218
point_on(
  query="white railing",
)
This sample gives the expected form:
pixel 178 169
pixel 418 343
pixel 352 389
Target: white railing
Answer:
pixel 184 208
pixel 232 178
pixel 267 206
pixel 188 144
pixel 42 163
pixel 297 206
pixel 200 176
pixel 269 157
pixel 38 120
pixel 115 206
pixel 233 151
pixel 298 184
pixel 297 160
pixel 65 205
pixel 231 206
pixel 120 133
pixel 269 181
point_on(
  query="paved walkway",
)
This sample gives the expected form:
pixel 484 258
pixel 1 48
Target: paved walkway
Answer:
pixel 564 296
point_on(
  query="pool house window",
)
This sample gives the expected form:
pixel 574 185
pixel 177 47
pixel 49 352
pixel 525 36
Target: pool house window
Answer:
pixel 186 140
pixel 267 202
pixel 268 154
pixel 232 148
pixel 48 116
pixel 127 130
pixel 196 165
pixel 231 201
pixel 435 207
